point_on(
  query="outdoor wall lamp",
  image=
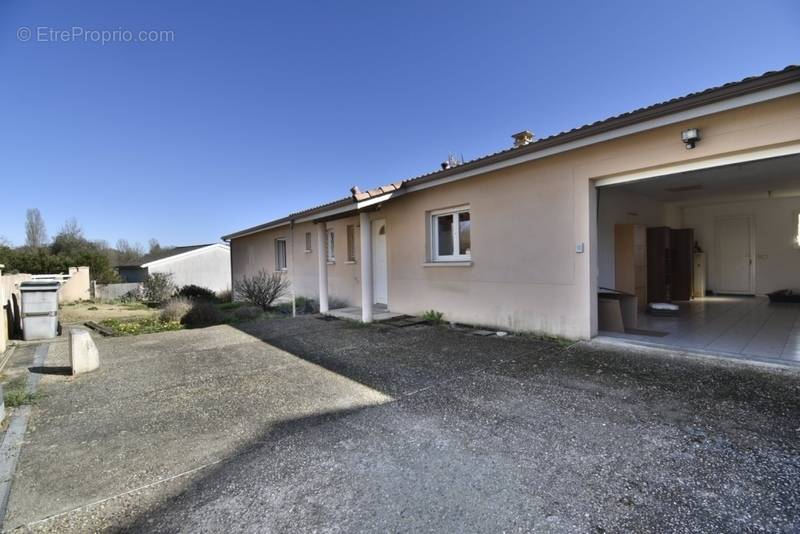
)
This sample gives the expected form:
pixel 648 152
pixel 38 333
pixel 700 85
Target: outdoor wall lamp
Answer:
pixel 690 137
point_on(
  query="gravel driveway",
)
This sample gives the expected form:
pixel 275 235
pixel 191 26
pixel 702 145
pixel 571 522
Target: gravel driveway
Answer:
pixel 306 424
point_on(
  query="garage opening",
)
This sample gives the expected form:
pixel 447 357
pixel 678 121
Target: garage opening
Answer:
pixel 707 259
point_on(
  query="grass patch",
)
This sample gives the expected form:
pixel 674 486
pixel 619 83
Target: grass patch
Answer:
pixel 147 325
pixel 230 305
pixel 15 394
pixel 19 397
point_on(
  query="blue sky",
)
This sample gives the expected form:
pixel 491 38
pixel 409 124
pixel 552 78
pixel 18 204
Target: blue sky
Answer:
pixel 256 109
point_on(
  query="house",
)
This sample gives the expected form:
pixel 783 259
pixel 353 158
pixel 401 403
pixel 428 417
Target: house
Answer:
pixel 525 239
pixel 203 265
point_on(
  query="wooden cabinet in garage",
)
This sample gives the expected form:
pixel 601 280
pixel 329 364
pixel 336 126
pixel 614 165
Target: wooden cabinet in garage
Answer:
pixel 630 261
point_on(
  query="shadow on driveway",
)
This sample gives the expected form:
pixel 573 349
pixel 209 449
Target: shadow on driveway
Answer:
pixel 440 431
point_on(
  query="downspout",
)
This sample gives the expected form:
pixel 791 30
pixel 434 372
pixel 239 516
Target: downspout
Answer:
pixel 291 272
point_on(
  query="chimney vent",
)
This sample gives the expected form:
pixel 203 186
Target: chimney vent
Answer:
pixel 522 138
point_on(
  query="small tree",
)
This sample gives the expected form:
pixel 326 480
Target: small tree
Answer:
pixel 262 289
pixel 35 232
pixel 158 287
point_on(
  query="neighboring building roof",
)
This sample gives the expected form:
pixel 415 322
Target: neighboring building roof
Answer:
pixel 163 254
pixel 692 100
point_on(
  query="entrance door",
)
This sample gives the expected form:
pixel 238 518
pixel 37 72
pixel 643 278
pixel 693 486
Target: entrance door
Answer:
pixel 735 249
pixel 379 272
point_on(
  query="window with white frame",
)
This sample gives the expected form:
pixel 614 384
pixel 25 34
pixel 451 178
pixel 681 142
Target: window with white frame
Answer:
pixel 351 242
pixel 280 254
pixel 450 235
pixel 329 246
pixel 308 241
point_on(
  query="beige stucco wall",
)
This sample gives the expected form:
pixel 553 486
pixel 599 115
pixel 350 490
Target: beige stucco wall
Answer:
pixel 251 253
pixel 526 223
pixel 77 287
pixel 10 300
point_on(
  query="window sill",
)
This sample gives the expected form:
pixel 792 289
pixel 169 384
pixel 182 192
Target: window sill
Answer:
pixel 281 270
pixel 331 262
pixel 448 264
pixel 350 262
pixel 308 252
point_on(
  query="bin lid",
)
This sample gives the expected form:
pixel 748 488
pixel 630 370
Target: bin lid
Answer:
pixel 39 285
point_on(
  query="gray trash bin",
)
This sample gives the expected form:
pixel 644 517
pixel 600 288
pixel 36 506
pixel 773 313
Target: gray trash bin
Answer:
pixel 39 309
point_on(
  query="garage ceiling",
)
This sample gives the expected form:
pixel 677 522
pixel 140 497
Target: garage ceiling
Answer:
pixel 756 179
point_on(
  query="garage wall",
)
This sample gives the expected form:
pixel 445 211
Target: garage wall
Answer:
pixel 777 260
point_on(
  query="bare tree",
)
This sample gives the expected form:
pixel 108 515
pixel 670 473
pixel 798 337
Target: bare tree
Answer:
pixel 155 246
pixel 262 289
pixel 128 254
pixel 35 231
pixel 71 229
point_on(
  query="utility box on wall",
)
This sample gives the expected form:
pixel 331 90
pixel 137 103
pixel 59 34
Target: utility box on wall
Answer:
pixel 39 309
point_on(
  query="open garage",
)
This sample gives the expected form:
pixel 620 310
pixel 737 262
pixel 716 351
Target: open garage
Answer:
pixel 704 258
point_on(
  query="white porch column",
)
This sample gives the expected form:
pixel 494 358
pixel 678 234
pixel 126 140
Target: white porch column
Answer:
pixel 366 267
pixel 322 259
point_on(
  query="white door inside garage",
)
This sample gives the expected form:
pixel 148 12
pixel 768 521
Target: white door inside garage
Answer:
pixel 735 245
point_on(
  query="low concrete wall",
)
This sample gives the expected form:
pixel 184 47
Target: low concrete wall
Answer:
pixel 10 301
pixel 113 291
pixel 77 287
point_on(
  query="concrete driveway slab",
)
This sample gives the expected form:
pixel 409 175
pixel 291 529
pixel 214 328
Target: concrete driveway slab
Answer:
pixel 158 406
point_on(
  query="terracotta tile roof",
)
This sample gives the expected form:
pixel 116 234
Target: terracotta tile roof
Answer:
pixel 688 101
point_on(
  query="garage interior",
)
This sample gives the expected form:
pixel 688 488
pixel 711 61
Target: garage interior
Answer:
pixel 707 259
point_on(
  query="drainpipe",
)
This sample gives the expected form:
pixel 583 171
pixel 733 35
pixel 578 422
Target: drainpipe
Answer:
pixel 291 269
pixel 322 260
pixel 366 267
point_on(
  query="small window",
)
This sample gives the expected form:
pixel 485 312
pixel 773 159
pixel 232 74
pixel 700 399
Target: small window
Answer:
pixel 308 241
pixel 450 239
pixel 351 242
pixel 330 247
pixel 280 254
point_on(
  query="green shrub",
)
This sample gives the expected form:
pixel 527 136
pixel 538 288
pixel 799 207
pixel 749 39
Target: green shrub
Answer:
pixel 158 287
pixel 433 316
pixel 196 292
pixel 202 314
pixel 247 313
pixel 175 309
pixel 262 289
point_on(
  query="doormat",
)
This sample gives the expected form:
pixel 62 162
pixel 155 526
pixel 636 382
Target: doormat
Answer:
pixel 640 332
pixel 402 321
